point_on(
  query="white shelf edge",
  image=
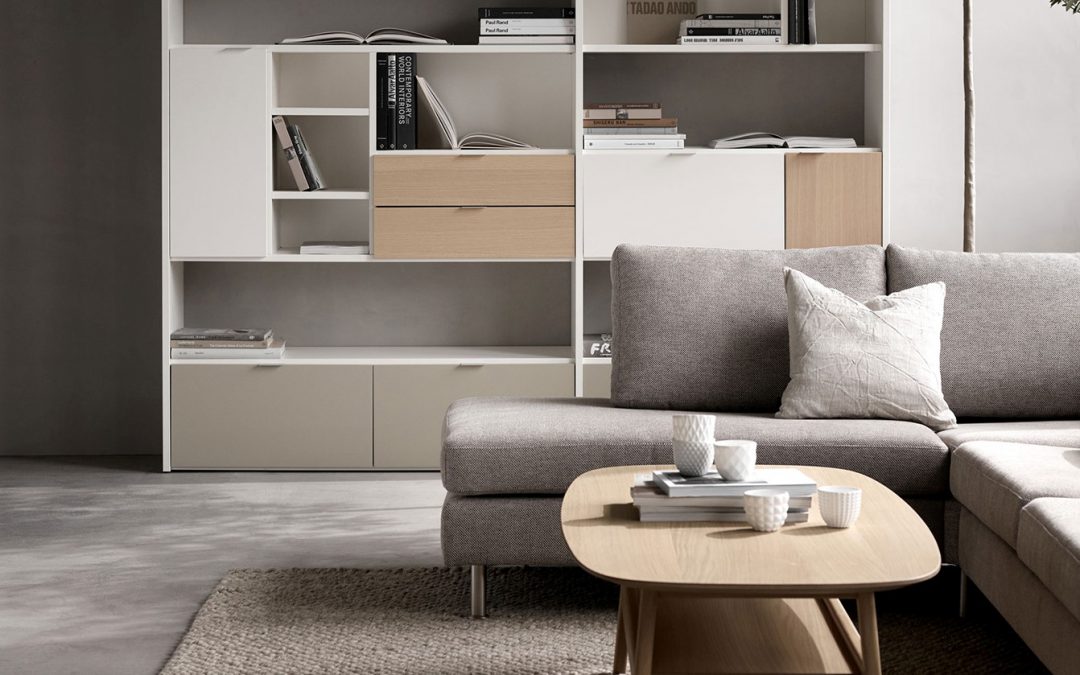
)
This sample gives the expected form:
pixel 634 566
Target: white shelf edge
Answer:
pixel 366 258
pixel 320 112
pixel 357 195
pixel 596 361
pixel 854 48
pixel 725 151
pixel 468 153
pixel 368 49
pixel 389 356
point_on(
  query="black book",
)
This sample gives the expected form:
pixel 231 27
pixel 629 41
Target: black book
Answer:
pixel 526 12
pixel 739 17
pixel 795 22
pixel 733 31
pixel 382 117
pixel 391 101
pixel 307 160
pixel 405 115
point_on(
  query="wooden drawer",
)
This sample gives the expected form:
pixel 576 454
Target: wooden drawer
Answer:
pixel 279 417
pixel 411 403
pixel 474 180
pixel 499 232
pixel 833 199
pixel 690 199
pixel 596 380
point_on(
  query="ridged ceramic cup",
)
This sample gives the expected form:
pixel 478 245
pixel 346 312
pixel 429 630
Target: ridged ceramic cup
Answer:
pixel 735 459
pixel 766 510
pixel 840 505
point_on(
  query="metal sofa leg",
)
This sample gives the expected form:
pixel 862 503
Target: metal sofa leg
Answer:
pixel 479 592
pixel 963 594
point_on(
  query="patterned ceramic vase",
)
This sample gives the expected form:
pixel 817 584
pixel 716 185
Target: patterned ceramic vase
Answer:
pixel 735 459
pixel 766 510
pixel 840 505
pixel 692 443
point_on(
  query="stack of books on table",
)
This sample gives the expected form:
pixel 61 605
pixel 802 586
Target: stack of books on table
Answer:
pixel 628 126
pixel 669 497
pixel 226 343
pixel 732 29
pixel 527 25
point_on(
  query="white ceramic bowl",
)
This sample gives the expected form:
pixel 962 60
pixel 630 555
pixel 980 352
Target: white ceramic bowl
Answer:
pixel 766 510
pixel 840 505
pixel 735 459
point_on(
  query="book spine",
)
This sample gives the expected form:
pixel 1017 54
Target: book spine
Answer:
pixel 630 123
pixel 794 22
pixel 811 22
pixel 526 13
pixel 721 40
pixel 527 23
pixel 631 131
pixel 628 144
pixel 218 344
pixel 391 101
pixel 623 114
pixel 701 23
pixel 525 30
pixel 281 129
pixel 617 106
pixel 307 161
pixel 405 117
pixel 381 119
pixel 756 32
pixel 737 17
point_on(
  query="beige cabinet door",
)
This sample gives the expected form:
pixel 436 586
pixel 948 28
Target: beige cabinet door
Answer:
pixel 833 199
pixel 277 417
pixel 411 403
pixel 597 380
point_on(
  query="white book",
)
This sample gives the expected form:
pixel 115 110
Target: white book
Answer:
pixel 539 30
pixel 623 113
pixel 276 350
pixel 634 131
pixel 795 482
pixel 526 39
pixel 733 40
pixel 527 23
pixel 439 116
pixel 728 23
pixel 709 517
pixel 646 494
pixel 668 142
pixel 334 248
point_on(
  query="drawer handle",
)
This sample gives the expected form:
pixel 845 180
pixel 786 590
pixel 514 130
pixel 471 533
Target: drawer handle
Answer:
pixel 470 365
pixel 269 365
pixel 685 153
pixel 472 208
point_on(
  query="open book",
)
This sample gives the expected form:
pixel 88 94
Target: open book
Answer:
pixel 758 139
pixel 474 141
pixel 382 36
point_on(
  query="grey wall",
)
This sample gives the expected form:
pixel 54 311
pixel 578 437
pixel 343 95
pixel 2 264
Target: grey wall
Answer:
pixel 80 227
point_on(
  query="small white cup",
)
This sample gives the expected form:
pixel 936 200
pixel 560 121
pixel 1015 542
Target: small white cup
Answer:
pixel 693 427
pixel 735 460
pixel 840 505
pixel 693 458
pixel 766 510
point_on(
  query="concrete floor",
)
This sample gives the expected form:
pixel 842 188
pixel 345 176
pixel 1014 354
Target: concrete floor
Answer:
pixel 104 561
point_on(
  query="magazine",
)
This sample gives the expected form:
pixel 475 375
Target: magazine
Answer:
pixel 434 107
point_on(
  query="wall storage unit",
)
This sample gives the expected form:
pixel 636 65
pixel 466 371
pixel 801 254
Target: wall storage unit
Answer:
pixel 486 268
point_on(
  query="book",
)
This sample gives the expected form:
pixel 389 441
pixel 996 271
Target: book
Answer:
pixel 732 31
pixel 276 350
pixel 633 142
pixel 811 22
pixel 382 115
pixel 737 16
pixel 712 517
pixel 381 36
pixel 334 248
pixel 526 30
pixel 527 23
pixel 405 111
pixel 757 139
pixel 795 22
pixel 444 123
pixel 656 22
pixel 307 159
pixel 285 140
pixel 597 345
pixel 616 123
pixel 526 12
pixel 622 106
pixel 645 493
pixel 623 113
pixel 220 344
pixel 732 40
pixel 526 40
pixel 632 131
pixel 223 334
pixel 700 23
pixel 391 102
pixel 795 482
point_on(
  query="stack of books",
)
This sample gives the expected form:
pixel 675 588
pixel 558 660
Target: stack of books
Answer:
pixel 226 343
pixel 395 108
pixel 732 29
pixel 618 126
pixel 669 497
pixel 527 25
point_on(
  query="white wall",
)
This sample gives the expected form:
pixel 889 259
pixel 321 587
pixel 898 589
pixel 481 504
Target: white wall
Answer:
pixel 1027 87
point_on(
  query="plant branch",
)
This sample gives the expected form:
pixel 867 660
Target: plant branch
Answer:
pixel 1069 5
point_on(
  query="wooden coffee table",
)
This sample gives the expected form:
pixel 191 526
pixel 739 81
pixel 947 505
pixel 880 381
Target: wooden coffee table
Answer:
pixel 721 598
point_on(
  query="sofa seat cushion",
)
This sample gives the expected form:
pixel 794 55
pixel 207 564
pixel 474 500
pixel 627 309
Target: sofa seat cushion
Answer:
pixel 539 446
pixel 1064 433
pixel 1048 542
pixel 995 481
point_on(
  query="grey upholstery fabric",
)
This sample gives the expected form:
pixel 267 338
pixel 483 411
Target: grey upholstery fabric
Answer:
pixel 996 480
pixel 1009 341
pixel 706 329
pixel 1064 433
pixel 1048 542
pixel 1039 617
pixel 504 531
pixel 538 446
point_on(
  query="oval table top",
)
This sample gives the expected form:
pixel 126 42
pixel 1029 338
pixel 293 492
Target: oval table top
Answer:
pixel 888 547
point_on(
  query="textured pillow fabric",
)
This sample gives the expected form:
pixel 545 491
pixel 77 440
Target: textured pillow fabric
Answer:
pixel 1009 343
pixel 878 359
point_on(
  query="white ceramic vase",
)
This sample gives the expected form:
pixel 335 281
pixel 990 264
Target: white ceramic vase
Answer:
pixel 766 510
pixel 840 505
pixel 692 458
pixel 735 460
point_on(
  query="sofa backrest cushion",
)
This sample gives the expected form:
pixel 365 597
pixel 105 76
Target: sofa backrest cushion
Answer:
pixel 1010 343
pixel 706 329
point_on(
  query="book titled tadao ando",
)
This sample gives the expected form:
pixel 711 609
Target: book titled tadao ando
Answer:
pixel 656 22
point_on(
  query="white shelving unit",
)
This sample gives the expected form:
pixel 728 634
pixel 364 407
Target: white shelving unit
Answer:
pixel 425 330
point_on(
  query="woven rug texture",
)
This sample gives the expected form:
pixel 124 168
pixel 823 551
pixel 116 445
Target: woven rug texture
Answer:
pixel 543 621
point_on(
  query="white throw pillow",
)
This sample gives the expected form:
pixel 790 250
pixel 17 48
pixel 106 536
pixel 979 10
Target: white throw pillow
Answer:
pixel 878 359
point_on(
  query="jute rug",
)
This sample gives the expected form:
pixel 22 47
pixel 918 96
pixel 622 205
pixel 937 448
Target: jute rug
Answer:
pixel 543 621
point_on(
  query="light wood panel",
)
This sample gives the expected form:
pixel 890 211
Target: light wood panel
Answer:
pixel 474 180
pixel 502 232
pixel 889 546
pixel 833 199
pixel 411 403
pixel 278 417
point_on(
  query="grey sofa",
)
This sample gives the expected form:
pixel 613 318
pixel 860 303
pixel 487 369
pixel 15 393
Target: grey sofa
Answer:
pixel 706 330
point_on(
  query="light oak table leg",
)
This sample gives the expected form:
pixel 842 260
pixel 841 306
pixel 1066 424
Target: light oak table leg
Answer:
pixel 620 634
pixel 629 599
pixel 646 632
pixel 868 632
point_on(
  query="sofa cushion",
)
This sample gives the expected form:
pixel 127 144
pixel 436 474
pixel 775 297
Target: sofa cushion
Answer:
pixel 1008 345
pixel 706 329
pixel 1048 542
pixel 1064 433
pixel 539 446
pixel 996 480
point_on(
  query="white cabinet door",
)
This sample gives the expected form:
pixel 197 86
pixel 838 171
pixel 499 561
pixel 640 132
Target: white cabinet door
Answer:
pixel 219 149
pixel 729 200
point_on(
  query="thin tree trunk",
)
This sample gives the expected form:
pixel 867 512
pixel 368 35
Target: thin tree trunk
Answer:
pixel 969 130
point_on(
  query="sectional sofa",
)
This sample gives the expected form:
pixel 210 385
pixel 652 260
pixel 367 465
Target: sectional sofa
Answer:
pixel 706 330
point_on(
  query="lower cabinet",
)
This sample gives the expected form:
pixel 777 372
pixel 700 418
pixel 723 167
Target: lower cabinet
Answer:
pixel 411 403
pixel 596 380
pixel 271 417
